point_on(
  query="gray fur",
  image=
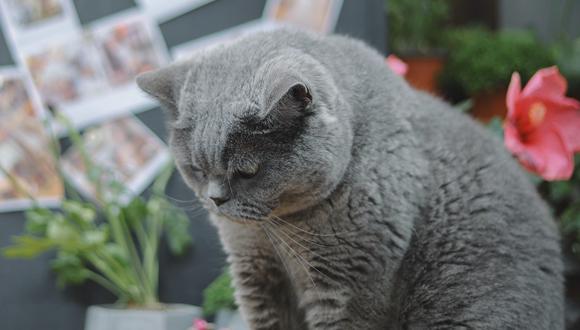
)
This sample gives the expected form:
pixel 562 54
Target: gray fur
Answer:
pixel 373 206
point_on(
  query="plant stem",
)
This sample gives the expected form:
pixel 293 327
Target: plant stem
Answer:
pixel 107 284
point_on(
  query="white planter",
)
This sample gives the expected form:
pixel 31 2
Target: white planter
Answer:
pixel 229 319
pixel 173 317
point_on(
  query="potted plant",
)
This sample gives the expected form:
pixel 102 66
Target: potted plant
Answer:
pixel 481 62
pixel 114 245
pixel 219 303
pixel 415 36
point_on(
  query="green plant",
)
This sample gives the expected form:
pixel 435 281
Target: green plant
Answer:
pixel 564 200
pixel 567 57
pixel 416 25
pixel 219 295
pixel 112 244
pixel 480 60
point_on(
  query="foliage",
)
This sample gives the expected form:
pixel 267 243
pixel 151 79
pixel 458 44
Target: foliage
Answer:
pixel 119 252
pixel 564 199
pixel 567 56
pixel 219 295
pixel 416 25
pixel 482 61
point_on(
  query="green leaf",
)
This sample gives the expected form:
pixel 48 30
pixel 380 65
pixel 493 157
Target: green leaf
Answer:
pixel 116 252
pixel 465 106
pixel 176 224
pixel 570 220
pixel 136 211
pixel 69 269
pixel 95 237
pixel 219 294
pixel 560 190
pixel 37 220
pixel 495 125
pixel 28 247
pixel 61 231
pixel 83 214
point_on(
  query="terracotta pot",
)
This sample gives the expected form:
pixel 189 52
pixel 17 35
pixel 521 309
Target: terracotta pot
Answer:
pixel 489 104
pixel 423 72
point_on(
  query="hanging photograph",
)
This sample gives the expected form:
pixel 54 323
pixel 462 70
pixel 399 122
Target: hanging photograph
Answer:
pixel 314 15
pixel 129 46
pixel 164 10
pixel 27 21
pixel 66 71
pixel 127 156
pixel 27 166
pixel 90 77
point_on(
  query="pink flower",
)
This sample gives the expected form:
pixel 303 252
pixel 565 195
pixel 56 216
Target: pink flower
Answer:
pixel 397 65
pixel 199 324
pixel 543 125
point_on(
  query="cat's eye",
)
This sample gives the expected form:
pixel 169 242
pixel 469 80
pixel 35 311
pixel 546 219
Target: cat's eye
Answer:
pixel 197 172
pixel 247 173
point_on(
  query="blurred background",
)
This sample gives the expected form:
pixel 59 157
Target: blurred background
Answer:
pixel 79 58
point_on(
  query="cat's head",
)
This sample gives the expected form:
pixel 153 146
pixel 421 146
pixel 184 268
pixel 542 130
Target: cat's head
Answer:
pixel 254 136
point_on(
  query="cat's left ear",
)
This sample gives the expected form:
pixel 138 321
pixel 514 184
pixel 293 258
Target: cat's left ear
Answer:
pixel 165 84
pixel 288 97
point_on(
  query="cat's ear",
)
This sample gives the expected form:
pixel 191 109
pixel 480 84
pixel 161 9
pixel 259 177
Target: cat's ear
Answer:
pixel 288 98
pixel 165 84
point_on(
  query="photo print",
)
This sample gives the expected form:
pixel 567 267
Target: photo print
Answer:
pixel 164 10
pixel 314 15
pixel 27 166
pixel 129 46
pixel 66 71
pixel 127 153
pixel 27 21
pixel 90 77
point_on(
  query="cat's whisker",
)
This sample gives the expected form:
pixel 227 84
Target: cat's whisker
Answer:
pixel 299 256
pixel 280 227
pixel 304 247
pixel 301 261
pixel 266 231
pixel 315 234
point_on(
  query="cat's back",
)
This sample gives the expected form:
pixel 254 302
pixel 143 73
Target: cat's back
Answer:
pixel 485 232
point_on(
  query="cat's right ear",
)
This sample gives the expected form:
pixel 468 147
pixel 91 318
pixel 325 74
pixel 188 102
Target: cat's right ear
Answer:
pixel 165 84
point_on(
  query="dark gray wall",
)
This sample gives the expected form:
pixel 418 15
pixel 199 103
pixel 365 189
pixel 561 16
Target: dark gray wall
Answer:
pixel 547 18
pixel 29 298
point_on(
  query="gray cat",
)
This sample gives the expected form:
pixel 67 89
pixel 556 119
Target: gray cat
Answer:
pixel 347 200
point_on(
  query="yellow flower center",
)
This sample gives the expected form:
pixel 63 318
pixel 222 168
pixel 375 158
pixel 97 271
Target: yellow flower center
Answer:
pixel 537 113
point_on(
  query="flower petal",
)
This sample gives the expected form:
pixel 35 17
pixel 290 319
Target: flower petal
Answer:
pixel 397 65
pixel 512 139
pixel 546 154
pixel 566 119
pixel 547 83
pixel 513 94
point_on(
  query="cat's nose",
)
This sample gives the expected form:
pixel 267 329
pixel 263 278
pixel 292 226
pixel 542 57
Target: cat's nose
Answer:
pixel 219 200
pixel 217 191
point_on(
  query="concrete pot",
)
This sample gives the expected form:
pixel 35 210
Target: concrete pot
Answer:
pixel 173 317
pixel 229 319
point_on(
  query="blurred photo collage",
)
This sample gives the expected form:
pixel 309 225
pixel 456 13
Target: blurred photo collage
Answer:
pixel 86 74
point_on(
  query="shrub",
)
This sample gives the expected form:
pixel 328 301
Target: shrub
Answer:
pixel 416 25
pixel 480 60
